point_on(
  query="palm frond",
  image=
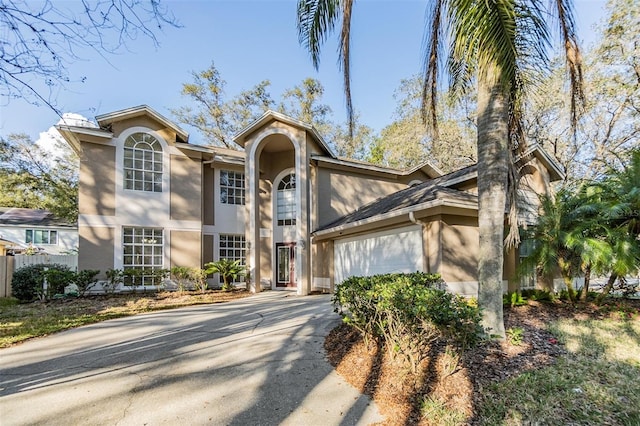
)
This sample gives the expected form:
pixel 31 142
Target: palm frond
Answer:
pixel 316 20
pixel 573 56
pixel 432 48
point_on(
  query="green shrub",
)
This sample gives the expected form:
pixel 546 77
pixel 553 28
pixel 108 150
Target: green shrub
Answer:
pixel 512 299
pixel 115 277
pixel 539 295
pixel 408 312
pixel 199 278
pixel 564 295
pixel 27 283
pixel 515 335
pixel 85 280
pixel 182 276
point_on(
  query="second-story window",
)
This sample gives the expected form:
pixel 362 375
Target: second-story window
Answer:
pixel 231 187
pixel 142 163
pixel 286 200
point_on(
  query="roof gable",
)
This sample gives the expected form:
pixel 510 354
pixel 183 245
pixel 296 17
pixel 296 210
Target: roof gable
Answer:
pixel 105 120
pixel 270 116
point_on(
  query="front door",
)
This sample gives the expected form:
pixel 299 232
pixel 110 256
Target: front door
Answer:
pixel 286 265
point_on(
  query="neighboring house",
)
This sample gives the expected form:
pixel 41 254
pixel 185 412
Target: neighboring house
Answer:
pixel 21 229
pixel 299 216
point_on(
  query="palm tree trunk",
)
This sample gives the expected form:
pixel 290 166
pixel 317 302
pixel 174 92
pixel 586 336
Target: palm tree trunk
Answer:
pixel 585 289
pixel 492 189
pixel 607 288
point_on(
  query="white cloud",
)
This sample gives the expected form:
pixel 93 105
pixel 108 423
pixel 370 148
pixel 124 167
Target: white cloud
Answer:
pixel 51 140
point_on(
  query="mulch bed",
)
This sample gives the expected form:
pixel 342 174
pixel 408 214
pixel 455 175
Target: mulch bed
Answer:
pixel 456 382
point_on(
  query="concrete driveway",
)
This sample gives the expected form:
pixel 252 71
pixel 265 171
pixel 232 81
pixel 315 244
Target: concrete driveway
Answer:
pixel 255 361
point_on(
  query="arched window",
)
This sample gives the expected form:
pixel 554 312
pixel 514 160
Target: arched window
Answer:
pixel 142 163
pixel 286 200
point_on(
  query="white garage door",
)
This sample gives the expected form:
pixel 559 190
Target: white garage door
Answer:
pixel 396 250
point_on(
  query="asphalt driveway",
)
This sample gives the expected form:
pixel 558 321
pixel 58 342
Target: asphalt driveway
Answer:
pixel 254 361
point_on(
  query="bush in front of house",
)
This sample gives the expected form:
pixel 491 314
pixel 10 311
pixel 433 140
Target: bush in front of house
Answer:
pixel 85 280
pixel 407 312
pixel 27 282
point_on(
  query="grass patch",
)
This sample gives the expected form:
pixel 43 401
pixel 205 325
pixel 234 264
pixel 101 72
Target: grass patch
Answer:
pixel 19 322
pixel 597 383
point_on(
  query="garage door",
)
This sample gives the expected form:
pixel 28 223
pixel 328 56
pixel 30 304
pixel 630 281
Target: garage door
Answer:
pixel 396 250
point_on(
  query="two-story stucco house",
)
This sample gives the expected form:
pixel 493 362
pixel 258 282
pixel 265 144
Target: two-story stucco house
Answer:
pixel 302 218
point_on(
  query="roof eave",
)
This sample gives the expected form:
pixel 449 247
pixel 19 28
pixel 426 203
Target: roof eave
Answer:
pixel 70 134
pixel 353 227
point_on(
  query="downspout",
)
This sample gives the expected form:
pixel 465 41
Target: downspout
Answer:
pixel 425 242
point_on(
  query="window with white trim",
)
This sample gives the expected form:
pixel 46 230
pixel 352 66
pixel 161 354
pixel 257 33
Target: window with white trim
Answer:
pixel 231 187
pixel 143 250
pixel 41 236
pixel 286 200
pixel 142 167
pixel 233 247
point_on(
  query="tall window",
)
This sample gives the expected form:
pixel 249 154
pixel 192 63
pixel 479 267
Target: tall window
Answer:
pixel 286 200
pixel 231 187
pixel 143 251
pixel 142 163
pixel 41 236
pixel 233 247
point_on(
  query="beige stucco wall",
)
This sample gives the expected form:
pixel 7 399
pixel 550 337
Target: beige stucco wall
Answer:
pixel 96 248
pixel 97 187
pixel 322 268
pixel 186 248
pixel 459 248
pixel 207 249
pixel 343 192
pixel 144 121
pixel 186 187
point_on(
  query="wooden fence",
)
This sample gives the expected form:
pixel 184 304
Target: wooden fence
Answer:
pixel 8 264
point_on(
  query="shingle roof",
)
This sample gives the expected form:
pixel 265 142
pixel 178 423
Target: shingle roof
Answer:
pixel 430 190
pixel 31 217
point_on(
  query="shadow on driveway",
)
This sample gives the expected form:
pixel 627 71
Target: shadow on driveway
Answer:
pixel 254 361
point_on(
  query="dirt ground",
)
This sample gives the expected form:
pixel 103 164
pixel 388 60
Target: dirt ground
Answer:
pixel 445 379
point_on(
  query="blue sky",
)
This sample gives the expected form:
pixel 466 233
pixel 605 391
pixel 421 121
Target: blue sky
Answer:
pixel 251 41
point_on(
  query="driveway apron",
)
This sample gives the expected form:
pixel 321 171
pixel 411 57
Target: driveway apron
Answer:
pixel 254 361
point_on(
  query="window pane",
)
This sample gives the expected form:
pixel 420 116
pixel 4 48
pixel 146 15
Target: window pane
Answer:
pixel 231 187
pixel 143 154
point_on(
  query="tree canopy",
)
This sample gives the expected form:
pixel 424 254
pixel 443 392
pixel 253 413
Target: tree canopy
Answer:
pixel 34 178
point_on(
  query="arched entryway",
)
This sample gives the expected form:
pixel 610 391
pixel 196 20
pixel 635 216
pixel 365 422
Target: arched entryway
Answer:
pixel 277 210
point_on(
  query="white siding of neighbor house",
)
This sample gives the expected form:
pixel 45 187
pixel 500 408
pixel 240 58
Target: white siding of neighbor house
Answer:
pixel 67 238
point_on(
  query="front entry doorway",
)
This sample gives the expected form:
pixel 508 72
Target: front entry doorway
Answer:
pixel 286 265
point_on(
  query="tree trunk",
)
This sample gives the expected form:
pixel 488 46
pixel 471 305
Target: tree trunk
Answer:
pixel 492 189
pixel 607 288
pixel 585 289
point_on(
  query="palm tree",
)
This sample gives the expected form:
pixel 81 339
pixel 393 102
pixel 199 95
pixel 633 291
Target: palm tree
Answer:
pixel 621 211
pixel 570 238
pixel 496 41
pixel 228 269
